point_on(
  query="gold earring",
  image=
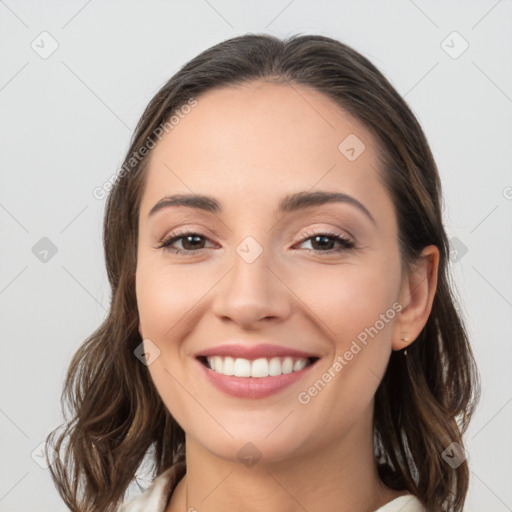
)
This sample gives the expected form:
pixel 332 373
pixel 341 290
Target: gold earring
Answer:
pixel 405 339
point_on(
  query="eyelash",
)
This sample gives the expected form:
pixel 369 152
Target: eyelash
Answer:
pixel 167 242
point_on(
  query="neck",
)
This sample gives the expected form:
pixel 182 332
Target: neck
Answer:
pixel 341 478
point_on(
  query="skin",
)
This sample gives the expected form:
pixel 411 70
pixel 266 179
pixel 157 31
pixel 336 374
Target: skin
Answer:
pixel 249 146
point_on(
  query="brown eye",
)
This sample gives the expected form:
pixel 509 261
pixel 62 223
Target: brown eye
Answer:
pixel 324 242
pixel 191 243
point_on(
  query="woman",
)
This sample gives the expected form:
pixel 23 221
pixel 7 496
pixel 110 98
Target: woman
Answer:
pixel 282 332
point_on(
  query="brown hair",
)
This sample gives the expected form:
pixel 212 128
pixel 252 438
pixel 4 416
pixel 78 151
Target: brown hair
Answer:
pixel 425 400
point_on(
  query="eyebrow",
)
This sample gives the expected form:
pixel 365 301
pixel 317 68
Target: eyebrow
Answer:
pixel 290 203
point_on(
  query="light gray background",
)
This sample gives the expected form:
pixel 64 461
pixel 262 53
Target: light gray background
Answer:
pixel 65 125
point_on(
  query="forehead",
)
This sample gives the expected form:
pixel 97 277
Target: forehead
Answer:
pixel 255 140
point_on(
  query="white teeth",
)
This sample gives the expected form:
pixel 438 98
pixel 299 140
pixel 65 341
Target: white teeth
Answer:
pixel 218 363
pixel 229 366
pixel 274 367
pixel 258 368
pixel 299 364
pixel 287 366
pixel 242 368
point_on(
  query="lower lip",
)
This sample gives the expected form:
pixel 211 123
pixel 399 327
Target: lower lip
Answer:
pixel 253 387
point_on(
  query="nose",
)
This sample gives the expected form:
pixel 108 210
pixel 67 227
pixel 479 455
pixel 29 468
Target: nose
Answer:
pixel 252 294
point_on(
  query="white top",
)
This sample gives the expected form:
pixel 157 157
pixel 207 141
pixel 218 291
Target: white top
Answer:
pixel 407 503
pixel 156 497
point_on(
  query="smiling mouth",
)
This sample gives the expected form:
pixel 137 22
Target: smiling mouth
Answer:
pixel 258 368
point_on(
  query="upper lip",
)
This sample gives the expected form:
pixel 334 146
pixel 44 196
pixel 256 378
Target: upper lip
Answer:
pixel 253 351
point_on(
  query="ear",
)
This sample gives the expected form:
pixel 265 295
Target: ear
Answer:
pixel 416 297
pixel 140 330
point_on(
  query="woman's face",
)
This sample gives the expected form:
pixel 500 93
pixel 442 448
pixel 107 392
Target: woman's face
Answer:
pixel 262 285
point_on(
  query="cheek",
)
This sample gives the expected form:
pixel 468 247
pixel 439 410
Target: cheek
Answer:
pixel 353 307
pixel 348 299
pixel 165 296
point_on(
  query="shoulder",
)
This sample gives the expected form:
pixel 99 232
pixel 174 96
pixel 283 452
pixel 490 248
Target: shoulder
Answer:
pixel 407 503
pixel 156 497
